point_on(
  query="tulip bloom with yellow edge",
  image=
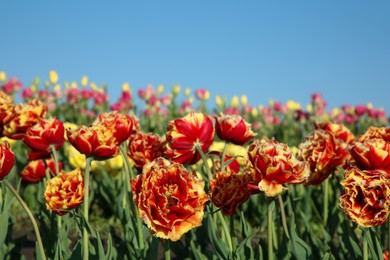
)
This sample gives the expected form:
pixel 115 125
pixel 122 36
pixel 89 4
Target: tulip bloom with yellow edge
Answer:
pixel 184 134
pixel 275 165
pixel 65 192
pixel 170 199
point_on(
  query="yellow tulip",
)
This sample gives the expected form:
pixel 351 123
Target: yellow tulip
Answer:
pixel 53 77
pixel 126 87
pixel 309 108
pixel 292 105
pixel 254 112
pixel 219 101
pixel 206 95
pixel 176 90
pixel 73 84
pixel 3 76
pixel 76 159
pixel 244 100
pixel 234 102
pixel 187 92
pixel 84 81
pixel 160 89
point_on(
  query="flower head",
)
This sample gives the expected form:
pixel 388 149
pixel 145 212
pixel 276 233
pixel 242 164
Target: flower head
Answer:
pixel 170 198
pixel 366 197
pixel 21 117
pixel 65 192
pixel 230 189
pixel 184 134
pixel 144 148
pixel 35 171
pixel 324 153
pixel 376 132
pixel 121 125
pixel 275 165
pixel 339 130
pixel 42 135
pixel 371 154
pixel 7 159
pixel 95 141
pixel 233 128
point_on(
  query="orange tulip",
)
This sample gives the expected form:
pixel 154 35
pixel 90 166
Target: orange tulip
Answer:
pixel 376 132
pixel 121 125
pixel 339 130
pixel 95 141
pixel 275 165
pixel 185 133
pixel 35 171
pixel 21 117
pixel 144 148
pixel 7 159
pixel 65 192
pixel 372 154
pixel 366 196
pixel 170 198
pixel 324 153
pixel 42 135
pixel 233 128
pixel 230 189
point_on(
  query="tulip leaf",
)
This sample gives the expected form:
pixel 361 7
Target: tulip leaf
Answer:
pixel 219 244
pixel 197 252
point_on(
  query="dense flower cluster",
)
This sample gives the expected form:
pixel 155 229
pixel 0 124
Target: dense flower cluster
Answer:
pixel 366 195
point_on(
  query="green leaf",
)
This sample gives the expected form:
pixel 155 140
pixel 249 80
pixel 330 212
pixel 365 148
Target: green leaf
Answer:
pixel 197 252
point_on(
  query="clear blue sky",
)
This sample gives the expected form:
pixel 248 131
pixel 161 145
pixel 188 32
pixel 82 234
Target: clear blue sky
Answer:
pixel 264 49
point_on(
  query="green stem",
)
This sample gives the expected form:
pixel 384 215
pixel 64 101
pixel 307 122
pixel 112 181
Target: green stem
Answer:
pixel 283 216
pixel 225 231
pixel 167 250
pixel 29 213
pixel 55 158
pixel 223 157
pixel 204 159
pixel 326 201
pixel 129 173
pixel 270 209
pixel 365 245
pixel 128 168
pixel 86 207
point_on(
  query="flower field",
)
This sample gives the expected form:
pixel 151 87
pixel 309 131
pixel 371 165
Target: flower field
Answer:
pixel 171 174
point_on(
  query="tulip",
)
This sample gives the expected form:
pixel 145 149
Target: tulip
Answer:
pixel 7 159
pixel 44 135
pixel 275 165
pixel 184 135
pixel 65 192
pixel 233 128
pixel 170 199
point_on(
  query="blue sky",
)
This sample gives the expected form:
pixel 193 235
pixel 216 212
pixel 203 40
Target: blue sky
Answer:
pixel 277 50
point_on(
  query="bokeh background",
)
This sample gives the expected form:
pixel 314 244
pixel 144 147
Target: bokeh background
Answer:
pixel 276 50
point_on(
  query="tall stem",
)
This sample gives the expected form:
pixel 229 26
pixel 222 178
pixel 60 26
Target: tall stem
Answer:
pixel 283 216
pixel 223 157
pixel 204 159
pixel 129 173
pixel 29 213
pixel 225 231
pixel 167 250
pixel 55 158
pixel 365 245
pixel 270 209
pixel 86 207
pixel 326 200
